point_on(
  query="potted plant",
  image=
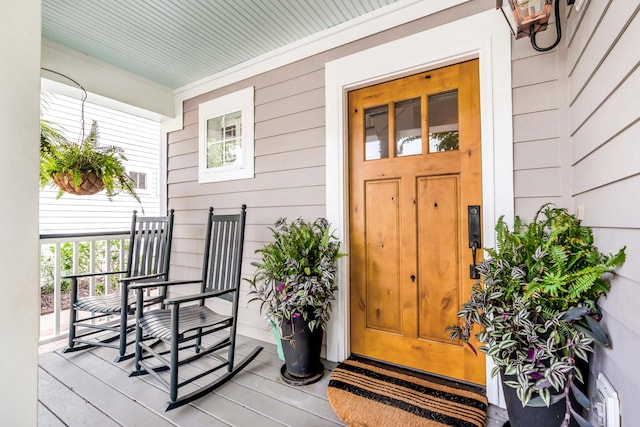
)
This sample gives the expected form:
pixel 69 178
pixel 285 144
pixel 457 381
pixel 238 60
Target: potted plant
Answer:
pixel 535 304
pixel 82 168
pixel 295 283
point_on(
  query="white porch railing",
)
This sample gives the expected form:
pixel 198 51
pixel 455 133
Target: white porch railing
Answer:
pixel 74 253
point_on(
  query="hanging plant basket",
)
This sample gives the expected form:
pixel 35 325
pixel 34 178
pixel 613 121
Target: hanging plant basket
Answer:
pixel 90 184
pixel 62 159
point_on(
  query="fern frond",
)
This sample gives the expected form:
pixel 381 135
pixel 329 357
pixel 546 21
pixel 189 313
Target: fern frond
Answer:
pixel 583 282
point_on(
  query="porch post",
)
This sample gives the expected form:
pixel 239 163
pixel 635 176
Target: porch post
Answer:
pixel 19 148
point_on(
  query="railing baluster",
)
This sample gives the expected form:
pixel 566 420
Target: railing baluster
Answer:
pixel 122 254
pixel 52 324
pixel 75 259
pixel 107 258
pixel 92 267
pixel 57 260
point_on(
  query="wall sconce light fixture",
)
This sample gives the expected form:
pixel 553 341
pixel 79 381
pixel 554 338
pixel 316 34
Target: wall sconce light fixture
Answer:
pixel 526 18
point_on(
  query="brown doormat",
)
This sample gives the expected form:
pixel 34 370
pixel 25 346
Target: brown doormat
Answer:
pixel 365 393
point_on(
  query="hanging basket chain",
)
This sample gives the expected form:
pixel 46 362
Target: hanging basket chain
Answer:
pixel 82 100
pixel 90 182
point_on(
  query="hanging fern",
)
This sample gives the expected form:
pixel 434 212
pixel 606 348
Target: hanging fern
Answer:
pixel 58 155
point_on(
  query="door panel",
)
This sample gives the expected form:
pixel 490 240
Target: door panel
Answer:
pixel 382 227
pixel 415 166
pixel 438 224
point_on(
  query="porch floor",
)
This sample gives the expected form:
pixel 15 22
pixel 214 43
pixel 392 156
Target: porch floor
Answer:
pixel 88 388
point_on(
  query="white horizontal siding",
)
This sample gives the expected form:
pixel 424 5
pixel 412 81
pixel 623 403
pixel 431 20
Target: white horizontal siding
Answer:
pixel 609 119
pixel 598 34
pixel 544 153
pixel 539 124
pixel 535 97
pixel 622 151
pixel 615 69
pixel 538 183
pixel 538 127
pixel 615 204
pixel 604 83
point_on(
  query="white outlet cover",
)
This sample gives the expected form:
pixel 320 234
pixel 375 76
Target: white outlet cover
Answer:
pixel 611 401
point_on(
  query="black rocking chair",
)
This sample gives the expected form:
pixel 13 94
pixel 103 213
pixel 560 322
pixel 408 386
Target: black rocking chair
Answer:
pixel 182 327
pixel 108 321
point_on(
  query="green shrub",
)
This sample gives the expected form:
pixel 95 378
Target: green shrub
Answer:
pixel 47 264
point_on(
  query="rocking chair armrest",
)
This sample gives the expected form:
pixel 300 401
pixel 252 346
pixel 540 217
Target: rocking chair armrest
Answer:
pixel 144 285
pixel 140 278
pixel 76 276
pixel 197 297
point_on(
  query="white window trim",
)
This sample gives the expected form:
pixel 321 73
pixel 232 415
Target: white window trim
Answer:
pixel 491 43
pixel 150 190
pixel 242 101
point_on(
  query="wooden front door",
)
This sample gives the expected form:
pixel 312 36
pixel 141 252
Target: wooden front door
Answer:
pixel 415 167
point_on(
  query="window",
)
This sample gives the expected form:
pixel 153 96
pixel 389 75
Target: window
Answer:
pixel 224 140
pixel 226 137
pixel 139 180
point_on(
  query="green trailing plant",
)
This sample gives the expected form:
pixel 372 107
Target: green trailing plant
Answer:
pixel 59 156
pixel 296 276
pixel 535 305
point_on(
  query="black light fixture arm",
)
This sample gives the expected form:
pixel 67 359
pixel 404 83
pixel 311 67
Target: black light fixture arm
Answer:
pixel 532 34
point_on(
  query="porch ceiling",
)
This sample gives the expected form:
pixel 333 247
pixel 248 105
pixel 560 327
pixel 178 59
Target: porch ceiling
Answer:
pixel 174 43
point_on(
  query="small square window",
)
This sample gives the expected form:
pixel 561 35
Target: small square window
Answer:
pixel 139 180
pixel 226 137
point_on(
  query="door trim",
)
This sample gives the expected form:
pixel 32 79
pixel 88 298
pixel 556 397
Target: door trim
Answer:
pixel 483 36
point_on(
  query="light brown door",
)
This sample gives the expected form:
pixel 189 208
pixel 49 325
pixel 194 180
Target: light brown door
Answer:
pixel 415 167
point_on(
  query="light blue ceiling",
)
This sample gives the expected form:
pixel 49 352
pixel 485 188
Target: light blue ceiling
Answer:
pixel 177 42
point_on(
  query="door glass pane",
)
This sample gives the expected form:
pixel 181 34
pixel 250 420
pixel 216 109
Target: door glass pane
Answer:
pixel 443 121
pixel 376 130
pixel 408 129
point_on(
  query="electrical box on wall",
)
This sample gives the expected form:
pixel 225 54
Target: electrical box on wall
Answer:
pixel 606 404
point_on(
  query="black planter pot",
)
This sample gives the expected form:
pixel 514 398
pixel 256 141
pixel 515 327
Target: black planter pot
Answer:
pixel 301 348
pixel 532 416
pixel 551 416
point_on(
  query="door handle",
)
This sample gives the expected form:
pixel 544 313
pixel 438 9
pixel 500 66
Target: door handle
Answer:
pixel 475 242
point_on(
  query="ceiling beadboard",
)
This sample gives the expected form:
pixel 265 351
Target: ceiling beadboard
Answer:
pixel 175 43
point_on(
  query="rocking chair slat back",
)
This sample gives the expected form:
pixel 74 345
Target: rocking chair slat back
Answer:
pixel 151 240
pixel 223 259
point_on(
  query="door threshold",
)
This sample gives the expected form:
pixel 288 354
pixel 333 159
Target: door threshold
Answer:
pixel 428 376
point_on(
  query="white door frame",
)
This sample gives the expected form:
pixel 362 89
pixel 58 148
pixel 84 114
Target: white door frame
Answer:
pixel 484 36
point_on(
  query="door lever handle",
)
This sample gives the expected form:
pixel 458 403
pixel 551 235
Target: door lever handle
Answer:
pixel 473 219
pixel 473 268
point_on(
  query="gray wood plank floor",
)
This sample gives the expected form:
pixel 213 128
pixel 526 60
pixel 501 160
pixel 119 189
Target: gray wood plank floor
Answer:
pixel 87 388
